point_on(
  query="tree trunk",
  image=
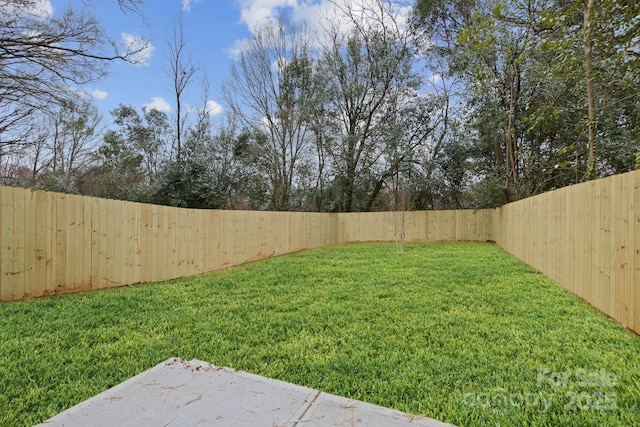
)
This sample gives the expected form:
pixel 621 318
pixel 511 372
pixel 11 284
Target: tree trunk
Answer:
pixel 588 56
pixel 374 194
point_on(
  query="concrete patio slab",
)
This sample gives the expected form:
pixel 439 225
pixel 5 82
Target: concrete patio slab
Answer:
pixel 195 393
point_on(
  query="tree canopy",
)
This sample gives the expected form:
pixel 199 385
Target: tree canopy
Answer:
pixel 458 104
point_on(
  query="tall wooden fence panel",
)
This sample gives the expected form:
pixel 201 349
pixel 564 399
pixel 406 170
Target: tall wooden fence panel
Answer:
pixel 417 226
pixel 586 237
pixel 57 243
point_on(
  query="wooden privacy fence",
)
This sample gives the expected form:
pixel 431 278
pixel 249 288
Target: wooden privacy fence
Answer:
pixel 419 226
pixel 586 237
pixel 56 243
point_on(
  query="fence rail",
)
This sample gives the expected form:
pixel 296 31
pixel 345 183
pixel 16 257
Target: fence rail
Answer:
pixel 586 237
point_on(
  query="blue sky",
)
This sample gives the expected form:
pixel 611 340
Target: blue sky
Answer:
pixel 214 30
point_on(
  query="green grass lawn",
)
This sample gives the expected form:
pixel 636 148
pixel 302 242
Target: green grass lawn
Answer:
pixel 461 332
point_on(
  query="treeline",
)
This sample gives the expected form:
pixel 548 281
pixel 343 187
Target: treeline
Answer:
pixel 460 104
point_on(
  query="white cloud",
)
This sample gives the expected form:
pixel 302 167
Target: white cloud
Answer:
pixel 141 49
pixel 41 9
pixel 99 94
pixel 186 4
pixel 213 108
pixel 435 78
pixel 158 103
pixel 237 48
pixel 256 12
pixel 317 13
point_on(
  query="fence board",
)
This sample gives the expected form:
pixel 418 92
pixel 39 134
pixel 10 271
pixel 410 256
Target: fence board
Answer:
pixel 104 231
pixel 31 241
pixel 61 230
pixel 75 242
pixel 603 282
pixel 39 276
pixel 627 263
pixel 568 260
pixel 172 271
pixel 146 243
pixel 635 218
pixel 166 241
pixel 20 238
pixel 127 242
pixel 87 243
pixel 202 250
pixel 155 245
pixel 51 244
pixel 113 244
pixel 95 243
pixel 587 208
pixel 138 243
pixel 6 240
pixel 618 243
pixel 591 225
pixel 69 230
pixel 190 240
pixel 118 265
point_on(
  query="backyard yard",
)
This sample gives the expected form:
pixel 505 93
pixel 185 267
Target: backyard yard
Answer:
pixel 460 332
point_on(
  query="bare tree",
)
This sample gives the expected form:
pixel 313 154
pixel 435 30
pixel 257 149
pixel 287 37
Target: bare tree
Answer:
pixel 45 60
pixel 272 91
pixel 399 204
pixel 36 155
pixel 77 128
pixel 182 72
pixel 373 93
pixel 130 5
pixel 60 146
pixel 147 134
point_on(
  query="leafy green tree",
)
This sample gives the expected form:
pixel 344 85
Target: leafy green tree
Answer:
pixel 594 44
pixel 148 135
pixel 189 180
pixel 187 183
pixel 74 131
pixel 493 57
pixel 117 172
pixel 127 163
pixel 535 106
